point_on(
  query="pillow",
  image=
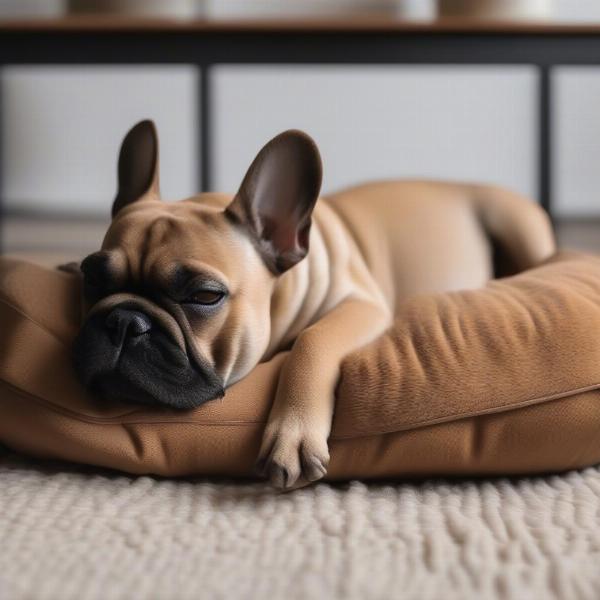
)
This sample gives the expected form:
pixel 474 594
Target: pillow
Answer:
pixel 502 380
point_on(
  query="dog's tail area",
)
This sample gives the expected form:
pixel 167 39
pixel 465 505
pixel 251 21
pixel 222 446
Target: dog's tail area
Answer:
pixel 519 229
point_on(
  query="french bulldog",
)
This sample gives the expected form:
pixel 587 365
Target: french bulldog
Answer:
pixel 186 298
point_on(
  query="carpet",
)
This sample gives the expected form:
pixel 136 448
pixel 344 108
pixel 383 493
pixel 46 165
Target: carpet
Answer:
pixel 68 532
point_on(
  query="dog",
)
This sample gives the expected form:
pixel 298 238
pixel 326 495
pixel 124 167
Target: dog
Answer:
pixel 186 298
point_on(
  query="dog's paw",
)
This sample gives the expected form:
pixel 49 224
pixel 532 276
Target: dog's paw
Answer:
pixel 291 454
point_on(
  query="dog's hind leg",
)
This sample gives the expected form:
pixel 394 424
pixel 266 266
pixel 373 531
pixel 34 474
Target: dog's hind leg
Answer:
pixel 519 229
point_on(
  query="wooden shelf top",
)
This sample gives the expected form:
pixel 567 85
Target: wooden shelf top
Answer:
pixel 355 24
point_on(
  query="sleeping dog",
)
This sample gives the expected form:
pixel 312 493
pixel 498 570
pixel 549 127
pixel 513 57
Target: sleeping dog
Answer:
pixel 186 298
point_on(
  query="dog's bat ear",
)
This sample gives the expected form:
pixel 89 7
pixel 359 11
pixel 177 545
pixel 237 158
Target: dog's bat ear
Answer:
pixel 277 197
pixel 138 166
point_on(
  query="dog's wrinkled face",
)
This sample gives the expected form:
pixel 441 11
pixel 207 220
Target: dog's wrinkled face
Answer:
pixel 178 299
pixel 179 295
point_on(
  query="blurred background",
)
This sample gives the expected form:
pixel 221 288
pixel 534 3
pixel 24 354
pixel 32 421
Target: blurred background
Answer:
pixel 61 126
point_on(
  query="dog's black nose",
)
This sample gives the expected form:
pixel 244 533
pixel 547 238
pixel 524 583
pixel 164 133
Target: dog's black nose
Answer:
pixel 123 323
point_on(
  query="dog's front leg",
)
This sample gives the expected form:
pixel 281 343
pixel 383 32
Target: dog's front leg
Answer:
pixel 294 447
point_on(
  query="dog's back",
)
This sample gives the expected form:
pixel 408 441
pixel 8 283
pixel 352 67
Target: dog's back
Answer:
pixel 424 236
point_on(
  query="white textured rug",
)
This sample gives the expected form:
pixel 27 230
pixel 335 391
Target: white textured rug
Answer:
pixel 70 534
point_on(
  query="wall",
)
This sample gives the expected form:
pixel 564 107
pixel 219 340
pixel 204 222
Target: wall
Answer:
pixel 383 122
pixel 61 127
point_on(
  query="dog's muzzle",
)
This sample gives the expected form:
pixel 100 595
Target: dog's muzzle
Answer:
pixel 123 354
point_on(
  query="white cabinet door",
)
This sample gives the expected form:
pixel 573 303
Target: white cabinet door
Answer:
pixel 461 123
pixel 62 127
pixel 576 144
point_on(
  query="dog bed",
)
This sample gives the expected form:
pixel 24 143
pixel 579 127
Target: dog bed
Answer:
pixel 502 380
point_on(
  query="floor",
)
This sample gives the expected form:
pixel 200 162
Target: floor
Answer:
pixel 54 241
pixel 51 241
pixel 74 533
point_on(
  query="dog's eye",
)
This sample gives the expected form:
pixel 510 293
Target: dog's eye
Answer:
pixel 206 297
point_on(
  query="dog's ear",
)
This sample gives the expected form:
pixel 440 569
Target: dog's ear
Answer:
pixel 138 166
pixel 277 197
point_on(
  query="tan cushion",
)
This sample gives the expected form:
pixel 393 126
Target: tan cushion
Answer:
pixel 499 380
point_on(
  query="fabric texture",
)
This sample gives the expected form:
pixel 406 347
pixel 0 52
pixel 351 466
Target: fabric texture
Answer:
pixel 502 380
pixel 73 534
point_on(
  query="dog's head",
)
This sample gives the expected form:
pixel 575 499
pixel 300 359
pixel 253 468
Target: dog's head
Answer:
pixel 179 296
